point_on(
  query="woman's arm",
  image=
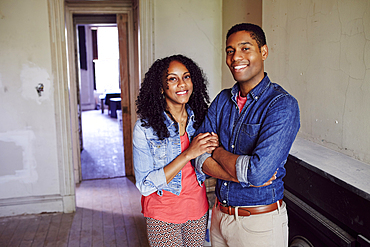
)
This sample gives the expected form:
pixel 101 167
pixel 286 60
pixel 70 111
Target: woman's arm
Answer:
pixel 148 179
pixel 203 142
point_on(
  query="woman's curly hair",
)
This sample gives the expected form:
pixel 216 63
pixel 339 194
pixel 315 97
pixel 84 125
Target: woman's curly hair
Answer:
pixel 151 103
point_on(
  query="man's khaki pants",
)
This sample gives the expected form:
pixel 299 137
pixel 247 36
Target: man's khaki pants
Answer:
pixel 269 229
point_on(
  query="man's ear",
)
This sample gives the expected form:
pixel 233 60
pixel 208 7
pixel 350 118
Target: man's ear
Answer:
pixel 264 52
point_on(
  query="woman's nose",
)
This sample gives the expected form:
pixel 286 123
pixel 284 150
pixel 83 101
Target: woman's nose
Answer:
pixel 181 82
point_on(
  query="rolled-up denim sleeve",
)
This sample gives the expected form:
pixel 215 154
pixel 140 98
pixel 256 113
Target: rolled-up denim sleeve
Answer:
pixel 242 163
pixel 198 164
pixel 148 179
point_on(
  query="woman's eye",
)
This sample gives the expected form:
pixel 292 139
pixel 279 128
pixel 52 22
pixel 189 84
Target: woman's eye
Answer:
pixel 172 79
pixel 187 77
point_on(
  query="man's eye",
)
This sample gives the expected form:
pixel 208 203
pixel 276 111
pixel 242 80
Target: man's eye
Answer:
pixel 245 48
pixel 229 51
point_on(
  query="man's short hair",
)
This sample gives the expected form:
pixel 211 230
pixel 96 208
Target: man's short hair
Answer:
pixel 255 31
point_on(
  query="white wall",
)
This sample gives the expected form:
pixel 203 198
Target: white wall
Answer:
pixel 29 171
pixel 87 76
pixel 191 28
pixel 320 52
pixel 234 12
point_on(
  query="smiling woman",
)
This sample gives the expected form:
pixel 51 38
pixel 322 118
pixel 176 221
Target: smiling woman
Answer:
pixel 178 88
pixel 171 105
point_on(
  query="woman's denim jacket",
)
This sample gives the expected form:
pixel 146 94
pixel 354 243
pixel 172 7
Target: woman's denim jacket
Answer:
pixel 151 155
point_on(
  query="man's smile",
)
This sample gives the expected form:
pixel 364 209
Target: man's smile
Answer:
pixel 239 68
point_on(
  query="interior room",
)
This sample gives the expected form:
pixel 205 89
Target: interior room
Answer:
pixel 70 74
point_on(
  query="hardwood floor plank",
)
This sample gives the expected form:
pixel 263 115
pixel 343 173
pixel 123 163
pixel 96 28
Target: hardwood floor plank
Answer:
pixel 42 230
pixel 32 229
pixel 97 228
pixel 108 224
pixel 118 211
pixel 75 230
pixel 64 230
pixel 126 199
pixel 3 223
pixel 26 243
pixel 86 205
pixel 8 232
pixel 20 231
pixel 51 237
pixel 136 213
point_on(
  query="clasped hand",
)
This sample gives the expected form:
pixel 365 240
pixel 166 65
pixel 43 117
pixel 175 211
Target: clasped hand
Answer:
pixel 202 143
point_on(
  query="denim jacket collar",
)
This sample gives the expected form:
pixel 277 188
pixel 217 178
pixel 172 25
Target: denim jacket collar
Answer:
pixel 255 93
pixel 169 122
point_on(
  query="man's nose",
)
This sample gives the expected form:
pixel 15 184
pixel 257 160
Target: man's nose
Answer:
pixel 237 56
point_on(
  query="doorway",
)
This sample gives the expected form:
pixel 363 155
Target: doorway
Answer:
pixel 128 70
pixel 101 140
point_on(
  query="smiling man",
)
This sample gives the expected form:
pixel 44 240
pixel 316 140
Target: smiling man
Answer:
pixel 256 121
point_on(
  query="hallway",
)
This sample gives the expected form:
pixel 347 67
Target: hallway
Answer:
pixel 102 154
pixel 108 211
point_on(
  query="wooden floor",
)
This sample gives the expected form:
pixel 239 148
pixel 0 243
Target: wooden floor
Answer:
pixel 102 154
pixel 108 214
pixel 108 210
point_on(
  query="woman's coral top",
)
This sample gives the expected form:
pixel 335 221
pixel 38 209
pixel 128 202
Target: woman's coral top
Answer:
pixel 191 204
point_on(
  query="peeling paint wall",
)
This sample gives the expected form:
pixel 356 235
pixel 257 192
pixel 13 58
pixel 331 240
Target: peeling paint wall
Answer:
pixel 320 52
pixel 234 12
pixel 191 28
pixel 28 149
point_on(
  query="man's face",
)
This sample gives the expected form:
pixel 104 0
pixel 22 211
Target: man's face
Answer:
pixel 244 58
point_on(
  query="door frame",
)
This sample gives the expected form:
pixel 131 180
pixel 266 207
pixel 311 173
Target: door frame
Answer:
pixel 106 7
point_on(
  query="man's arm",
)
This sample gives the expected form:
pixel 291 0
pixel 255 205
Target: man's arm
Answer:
pixel 225 162
pixel 213 169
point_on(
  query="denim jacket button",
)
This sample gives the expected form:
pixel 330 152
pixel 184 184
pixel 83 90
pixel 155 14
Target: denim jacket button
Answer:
pixel 224 201
pixel 225 184
pixel 232 146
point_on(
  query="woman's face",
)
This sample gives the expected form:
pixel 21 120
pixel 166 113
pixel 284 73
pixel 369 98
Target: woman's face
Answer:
pixel 177 85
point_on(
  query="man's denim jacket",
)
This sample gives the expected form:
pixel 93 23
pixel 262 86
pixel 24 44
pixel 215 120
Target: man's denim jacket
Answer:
pixel 262 134
pixel 151 155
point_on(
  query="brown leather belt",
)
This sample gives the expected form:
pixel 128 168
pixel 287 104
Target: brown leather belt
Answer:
pixel 247 211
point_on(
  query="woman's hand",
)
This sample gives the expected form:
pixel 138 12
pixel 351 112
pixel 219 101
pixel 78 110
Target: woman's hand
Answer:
pixel 202 143
pixel 218 142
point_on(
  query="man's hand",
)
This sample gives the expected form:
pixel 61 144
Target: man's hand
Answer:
pixel 268 182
